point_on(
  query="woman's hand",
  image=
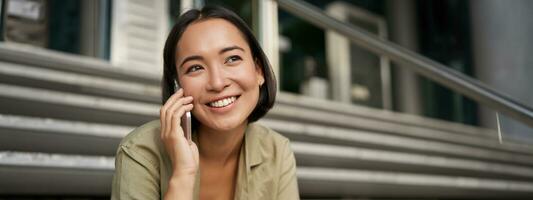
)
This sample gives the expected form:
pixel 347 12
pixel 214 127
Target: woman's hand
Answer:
pixel 184 155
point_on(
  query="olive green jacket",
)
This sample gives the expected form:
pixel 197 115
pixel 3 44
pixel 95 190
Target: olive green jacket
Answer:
pixel 267 168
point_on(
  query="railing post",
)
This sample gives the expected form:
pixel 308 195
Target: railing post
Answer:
pixel 190 4
pixel 265 25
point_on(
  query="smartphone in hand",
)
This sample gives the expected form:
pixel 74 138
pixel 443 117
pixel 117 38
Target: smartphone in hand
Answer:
pixel 185 119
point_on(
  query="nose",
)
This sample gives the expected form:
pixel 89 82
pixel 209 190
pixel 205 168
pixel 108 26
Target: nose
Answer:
pixel 217 80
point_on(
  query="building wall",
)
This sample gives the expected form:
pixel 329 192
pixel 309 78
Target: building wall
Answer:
pixel 503 46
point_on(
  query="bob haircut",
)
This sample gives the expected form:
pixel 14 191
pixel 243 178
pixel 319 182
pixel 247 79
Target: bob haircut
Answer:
pixel 267 91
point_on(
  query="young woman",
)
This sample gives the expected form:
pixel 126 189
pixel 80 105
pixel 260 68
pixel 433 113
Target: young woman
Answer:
pixel 227 84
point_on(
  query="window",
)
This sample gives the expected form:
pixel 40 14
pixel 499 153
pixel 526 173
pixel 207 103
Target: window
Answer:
pixel 77 27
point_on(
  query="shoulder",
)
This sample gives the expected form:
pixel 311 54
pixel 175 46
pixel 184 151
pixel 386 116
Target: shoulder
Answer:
pixel 146 134
pixel 266 135
pixel 266 142
pixel 143 143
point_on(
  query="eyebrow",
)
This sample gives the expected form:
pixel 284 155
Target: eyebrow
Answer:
pixel 230 49
pixel 197 57
pixel 189 58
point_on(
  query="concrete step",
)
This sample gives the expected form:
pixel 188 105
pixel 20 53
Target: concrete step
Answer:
pixel 334 156
pixel 382 115
pixel 43 58
pixel 54 174
pixel 29 134
pixel 57 80
pixel 312 133
pixel 22 133
pixel 21 101
pixel 327 182
pixel 313 116
pixel 17 100
pixel 38 173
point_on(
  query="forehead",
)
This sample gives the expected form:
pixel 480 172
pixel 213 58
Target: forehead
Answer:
pixel 209 35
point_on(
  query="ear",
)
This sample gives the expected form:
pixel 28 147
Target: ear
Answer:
pixel 259 74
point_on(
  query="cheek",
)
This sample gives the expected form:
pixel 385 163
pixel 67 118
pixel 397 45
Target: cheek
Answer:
pixel 246 76
pixel 190 87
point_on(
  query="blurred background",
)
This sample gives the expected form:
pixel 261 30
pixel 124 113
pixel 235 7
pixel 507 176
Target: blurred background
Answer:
pixel 382 99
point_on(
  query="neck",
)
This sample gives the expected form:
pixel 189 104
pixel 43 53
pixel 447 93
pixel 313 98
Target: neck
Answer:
pixel 220 147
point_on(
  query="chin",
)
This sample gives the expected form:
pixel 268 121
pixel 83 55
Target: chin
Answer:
pixel 225 125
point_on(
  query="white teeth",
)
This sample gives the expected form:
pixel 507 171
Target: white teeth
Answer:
pixel 222 102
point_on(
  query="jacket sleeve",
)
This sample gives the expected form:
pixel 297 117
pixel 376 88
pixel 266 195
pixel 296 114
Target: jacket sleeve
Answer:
pixel 288 185
pixel 135 176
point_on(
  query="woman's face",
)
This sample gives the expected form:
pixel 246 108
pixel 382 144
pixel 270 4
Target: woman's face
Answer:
pixel 215 67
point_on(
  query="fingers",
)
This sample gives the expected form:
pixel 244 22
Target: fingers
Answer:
pixel 171 114
pixel 170 101
pixel 174 113
pixel 176 120
pixel 165 107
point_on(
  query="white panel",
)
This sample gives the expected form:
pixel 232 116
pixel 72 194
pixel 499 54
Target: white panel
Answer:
pixel 266 25
pixel 139 30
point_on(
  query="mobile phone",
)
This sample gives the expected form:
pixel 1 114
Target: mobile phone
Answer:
pixel 185 119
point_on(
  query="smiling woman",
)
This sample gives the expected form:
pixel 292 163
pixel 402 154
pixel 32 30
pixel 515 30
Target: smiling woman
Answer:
pixel 227 83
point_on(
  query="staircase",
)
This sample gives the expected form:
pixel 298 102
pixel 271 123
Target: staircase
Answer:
pixel 62 117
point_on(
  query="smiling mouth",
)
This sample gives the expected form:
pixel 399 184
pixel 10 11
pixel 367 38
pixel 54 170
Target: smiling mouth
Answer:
pixel 223 102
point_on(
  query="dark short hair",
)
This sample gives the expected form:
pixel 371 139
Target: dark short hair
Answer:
pixel 267 91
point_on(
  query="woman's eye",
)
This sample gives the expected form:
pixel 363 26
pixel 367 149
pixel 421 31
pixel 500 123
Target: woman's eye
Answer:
pixel 194 68
pixel 232 59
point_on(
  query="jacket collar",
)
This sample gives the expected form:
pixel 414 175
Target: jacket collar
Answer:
pixel 253 145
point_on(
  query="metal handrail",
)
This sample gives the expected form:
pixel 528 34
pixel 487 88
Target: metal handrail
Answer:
pixel 426 67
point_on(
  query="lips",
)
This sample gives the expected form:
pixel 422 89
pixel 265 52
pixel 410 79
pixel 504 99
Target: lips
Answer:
pixel 223 102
